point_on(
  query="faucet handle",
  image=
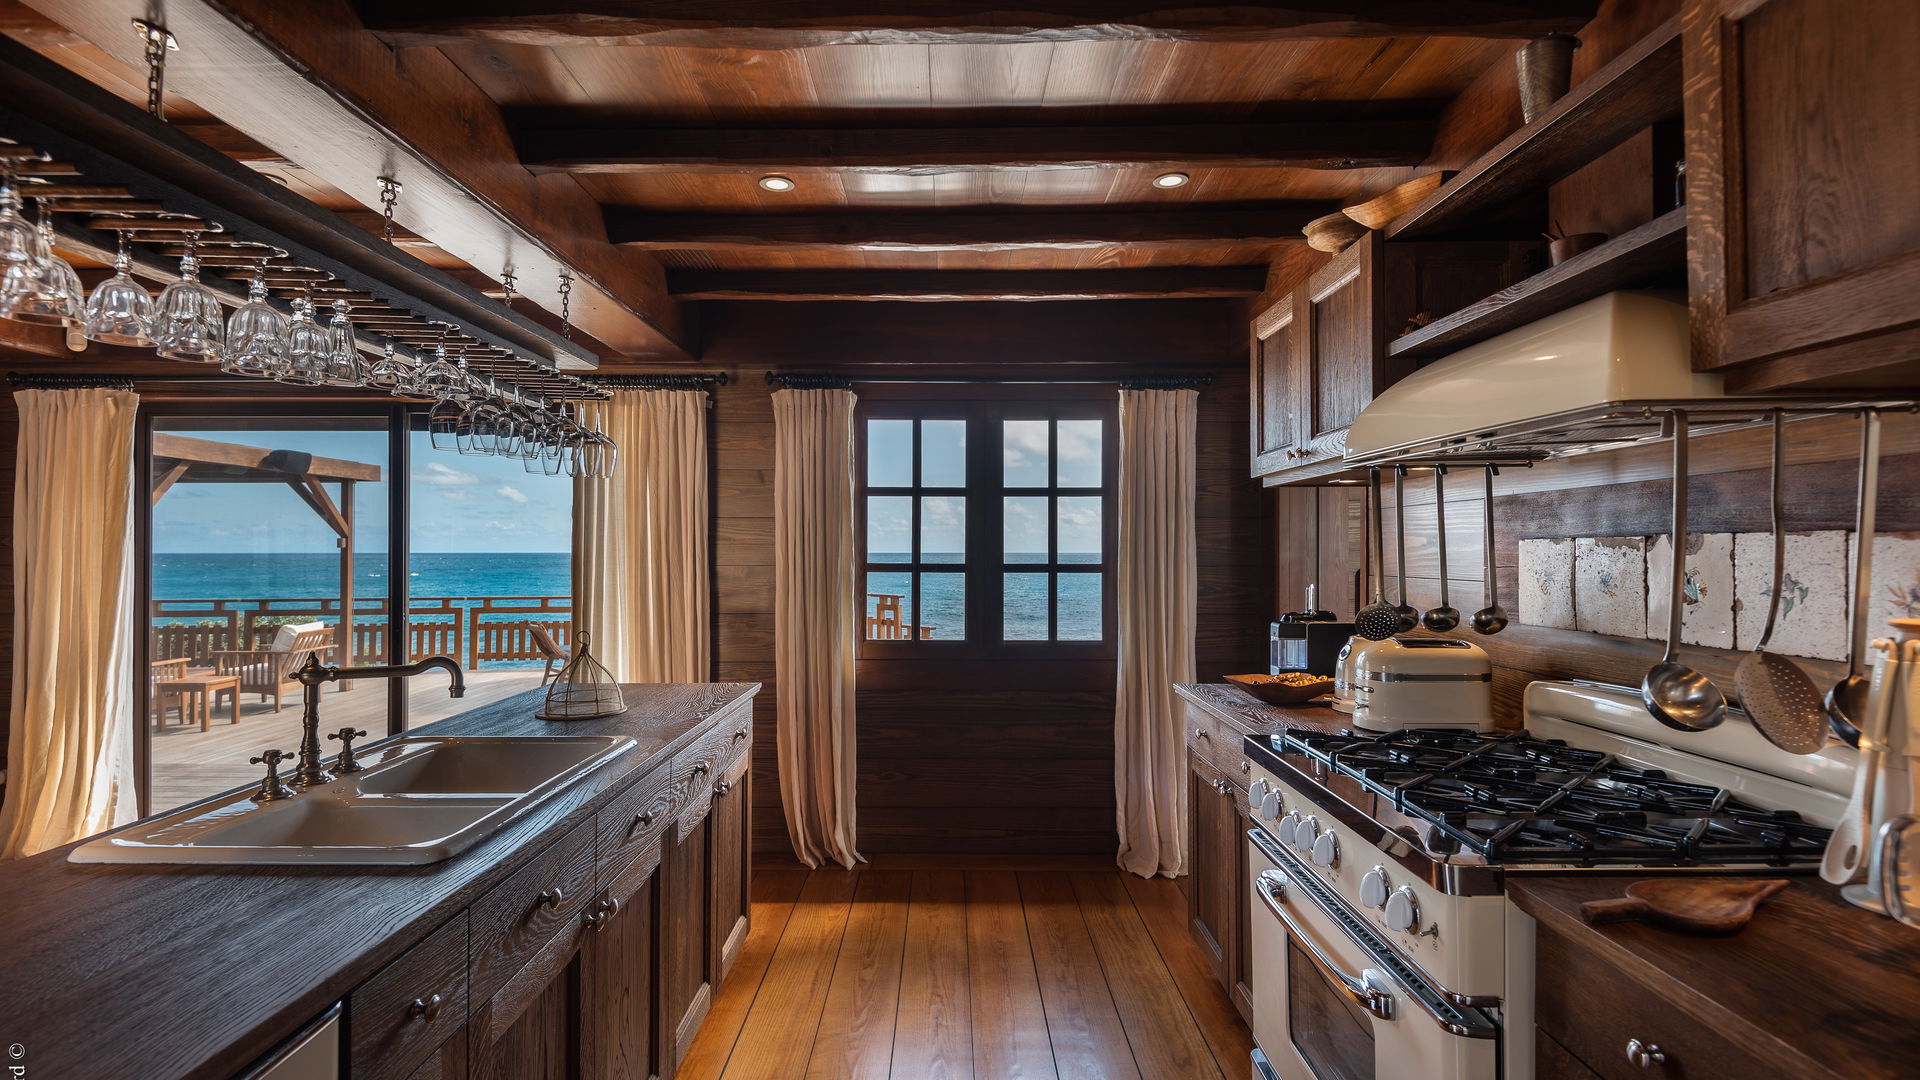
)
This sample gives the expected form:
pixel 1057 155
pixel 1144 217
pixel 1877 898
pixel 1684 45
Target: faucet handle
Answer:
pixel 271 789
pixel 347 764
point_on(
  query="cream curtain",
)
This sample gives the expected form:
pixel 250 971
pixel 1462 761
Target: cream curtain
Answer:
pixel 1154 584
pixel 70 749
pixel 640 574
pixel 815 619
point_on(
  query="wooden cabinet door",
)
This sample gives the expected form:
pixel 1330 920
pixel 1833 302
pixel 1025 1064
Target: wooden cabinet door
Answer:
pixel 531 1028
pixel 1276 356
pixel 729 826
pixel 1211 858
pixel 620 986
pixel 1803 191
pixel 1341 324
pixel 687 932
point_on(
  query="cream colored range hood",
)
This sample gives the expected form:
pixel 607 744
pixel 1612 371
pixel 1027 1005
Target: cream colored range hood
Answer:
pixel 1599 373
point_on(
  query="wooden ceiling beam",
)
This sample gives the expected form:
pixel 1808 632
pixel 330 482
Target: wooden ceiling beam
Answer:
pixel 790 24
pixel 1267 225
pixel 1156 283
pixel 308 82
pixel 548 147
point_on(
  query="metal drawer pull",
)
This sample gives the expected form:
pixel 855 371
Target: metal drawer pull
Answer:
pixel 426 1008
pixel 700 769
pixel 739 734
pixel 1202 733
pixel 604 910
pixel 640 821
pixel 1246 766
pixel 1645 1055
pixel 721 787
pixel 553 898
pixel 1273 889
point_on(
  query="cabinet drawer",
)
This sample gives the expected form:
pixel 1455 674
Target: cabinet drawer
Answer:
pixel 1202 732
pixel 637 817
pixel 412 1007
pixel 516 917
pixel 699 766
pixel 1590 1008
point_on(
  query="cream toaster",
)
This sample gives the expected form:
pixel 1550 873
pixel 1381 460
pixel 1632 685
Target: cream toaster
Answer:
pixel 1419 682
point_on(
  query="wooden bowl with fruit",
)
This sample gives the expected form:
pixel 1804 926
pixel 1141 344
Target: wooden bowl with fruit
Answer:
pixel 1286 688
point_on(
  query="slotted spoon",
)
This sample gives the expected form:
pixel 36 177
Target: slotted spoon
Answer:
pixel 1779 697
pixel 1377 621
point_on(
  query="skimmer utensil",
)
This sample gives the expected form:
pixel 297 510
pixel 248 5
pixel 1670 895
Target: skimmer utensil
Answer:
pixel 1403 611
pixel 1847 701
pixel 1493 618
pixel 1444 616
pixel 1377 621
pixel 1779 697
pixel 1677 695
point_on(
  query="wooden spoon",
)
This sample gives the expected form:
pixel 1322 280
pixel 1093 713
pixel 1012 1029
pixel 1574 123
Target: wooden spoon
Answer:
pixel 1689 905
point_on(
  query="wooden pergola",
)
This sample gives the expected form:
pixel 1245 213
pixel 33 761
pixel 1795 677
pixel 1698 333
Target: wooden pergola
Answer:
pixel 179 459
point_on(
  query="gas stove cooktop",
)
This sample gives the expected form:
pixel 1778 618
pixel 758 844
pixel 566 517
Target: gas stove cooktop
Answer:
pixel 1516 799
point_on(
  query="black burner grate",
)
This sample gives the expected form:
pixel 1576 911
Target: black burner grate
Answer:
pixel 1514 798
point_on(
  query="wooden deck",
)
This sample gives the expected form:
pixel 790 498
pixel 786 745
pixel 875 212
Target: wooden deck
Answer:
pixel 917 974
pixel 190 764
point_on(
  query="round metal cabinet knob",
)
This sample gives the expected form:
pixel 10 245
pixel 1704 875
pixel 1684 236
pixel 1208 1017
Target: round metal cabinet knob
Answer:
pixel 1202 733
pixel 1645 1055
pixel 1326 850
pixel 1403 909
pixel 1373 888
pixel 1304 832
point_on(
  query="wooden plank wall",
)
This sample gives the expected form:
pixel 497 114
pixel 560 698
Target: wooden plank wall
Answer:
pixel 970 758
pixel 1627 493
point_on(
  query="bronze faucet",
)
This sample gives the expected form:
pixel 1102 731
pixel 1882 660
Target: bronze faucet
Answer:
pixel 313 673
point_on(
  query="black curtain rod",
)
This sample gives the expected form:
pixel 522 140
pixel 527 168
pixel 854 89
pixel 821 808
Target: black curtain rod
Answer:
pixel 819 380
pixel 68 382
pixel 664 381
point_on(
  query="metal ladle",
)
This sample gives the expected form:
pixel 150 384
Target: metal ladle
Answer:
pixel 1677 695
pixel 1777 696
pixel 1377 621
pixel 1847 701
pixel 1493 618
pixel 1445 616
pixel 1403 611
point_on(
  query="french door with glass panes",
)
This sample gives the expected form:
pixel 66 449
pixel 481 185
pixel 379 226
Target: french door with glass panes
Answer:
pixel 985 523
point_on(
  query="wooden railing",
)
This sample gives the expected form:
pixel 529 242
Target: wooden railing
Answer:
pixel 473 630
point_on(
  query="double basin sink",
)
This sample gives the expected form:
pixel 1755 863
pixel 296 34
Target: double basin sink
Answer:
pixel 418 801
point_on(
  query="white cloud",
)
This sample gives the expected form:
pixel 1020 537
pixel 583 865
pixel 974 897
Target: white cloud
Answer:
pixel 438 475
pixel 511 493
pixel 455 495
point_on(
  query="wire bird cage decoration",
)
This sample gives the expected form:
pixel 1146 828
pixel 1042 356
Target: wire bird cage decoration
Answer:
pixel 583 690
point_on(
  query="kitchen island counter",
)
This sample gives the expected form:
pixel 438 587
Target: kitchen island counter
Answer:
pixel 157 972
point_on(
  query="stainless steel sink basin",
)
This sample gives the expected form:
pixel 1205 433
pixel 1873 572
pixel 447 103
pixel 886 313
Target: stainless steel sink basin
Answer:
pixel 420 800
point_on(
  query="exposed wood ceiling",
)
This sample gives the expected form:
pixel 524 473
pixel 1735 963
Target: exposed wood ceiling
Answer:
pixel 956 139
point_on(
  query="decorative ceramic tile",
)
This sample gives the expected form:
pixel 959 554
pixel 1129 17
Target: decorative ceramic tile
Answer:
pixel 1813 600
pixel 1610 585
pixel 1896 581
pixel 1708 592
pixel 1546 583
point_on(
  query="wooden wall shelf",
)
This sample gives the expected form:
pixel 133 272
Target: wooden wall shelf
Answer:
pixel 1640 256
pixel 1637 89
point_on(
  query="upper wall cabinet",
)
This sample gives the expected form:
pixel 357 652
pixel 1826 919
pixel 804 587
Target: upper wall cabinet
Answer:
pixel 1322 353
pixel 1803 183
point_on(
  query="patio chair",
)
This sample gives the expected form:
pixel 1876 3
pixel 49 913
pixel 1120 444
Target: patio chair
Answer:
pixel 549 649
pixel 269 671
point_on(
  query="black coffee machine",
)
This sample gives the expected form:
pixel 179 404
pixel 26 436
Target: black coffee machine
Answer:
pixel 1308 640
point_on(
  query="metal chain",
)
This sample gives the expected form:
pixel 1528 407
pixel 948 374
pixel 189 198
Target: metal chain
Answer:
pixel 158 43
pixel 566 305
pixel 389 194
pixel 508 281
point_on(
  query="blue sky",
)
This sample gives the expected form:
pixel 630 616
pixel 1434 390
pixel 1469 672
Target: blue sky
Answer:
pixel 461 503
pixel 1024 457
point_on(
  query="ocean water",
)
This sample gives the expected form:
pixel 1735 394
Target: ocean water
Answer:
pixel 1023 599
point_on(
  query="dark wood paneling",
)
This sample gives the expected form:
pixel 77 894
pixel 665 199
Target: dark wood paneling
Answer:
pixel 1164 283
pixel 1138 229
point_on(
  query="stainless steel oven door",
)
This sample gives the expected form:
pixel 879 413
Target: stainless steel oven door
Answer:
pixel 1332 1001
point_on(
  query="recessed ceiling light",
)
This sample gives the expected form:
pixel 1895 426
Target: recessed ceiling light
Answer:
pixel 1171 180
pixel 778 183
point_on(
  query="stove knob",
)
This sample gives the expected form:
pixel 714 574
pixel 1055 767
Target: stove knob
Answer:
pixel 1284 828
pixel 1373 888
pixel 1270 805
pixel 1305 831
pixel 1326 850
pixel 1258 789
pixel 1403 909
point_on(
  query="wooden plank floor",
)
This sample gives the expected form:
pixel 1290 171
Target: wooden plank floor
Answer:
pixel 944 974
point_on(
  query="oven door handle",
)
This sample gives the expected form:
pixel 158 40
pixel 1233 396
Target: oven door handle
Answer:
pixel 1272 887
